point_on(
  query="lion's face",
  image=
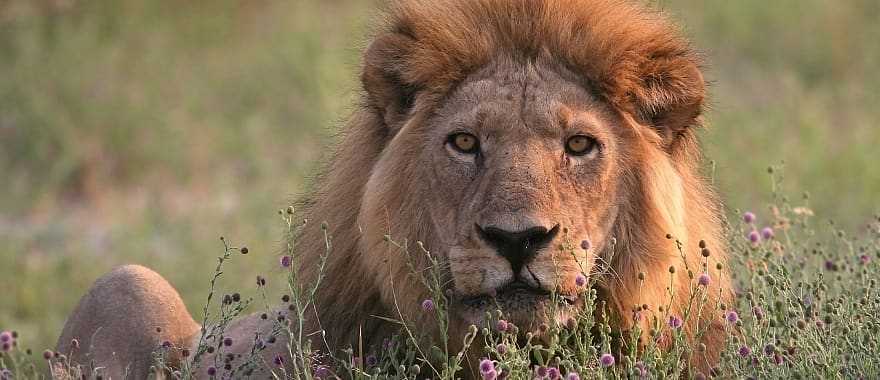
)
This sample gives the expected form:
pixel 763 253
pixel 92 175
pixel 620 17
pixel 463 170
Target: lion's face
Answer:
pixel 521 162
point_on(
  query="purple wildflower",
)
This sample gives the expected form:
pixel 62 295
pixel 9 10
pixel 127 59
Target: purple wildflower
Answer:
pixel 541 371
pixel 759 312
pixel 212 371
pixel 372 360
pixel 491 375
pixel 830 265
pixel 5 337
pixel 585 245
pixel 501 325
pixel 572 376
pixel 643 372
pixel 553 373
pixel 501 348
pixel 486 366
pixel 6 347
pixel 864 259
pixel 754 237
pixel 674 321
pixel 48 354
pixel 322 372
pixel 704 279
pixel 769 349
pixel 732 316
pixel 745 351
pixel 767 233
pixel 166 344
pixel 748 217
pixel 286 261
pixel 227 341
pixel 607 360
pixel 778 359
pixel 580 280
pixel 428 305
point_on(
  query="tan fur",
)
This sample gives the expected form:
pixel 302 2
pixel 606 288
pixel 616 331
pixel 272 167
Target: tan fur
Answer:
pixel 522 74
pixel 126 315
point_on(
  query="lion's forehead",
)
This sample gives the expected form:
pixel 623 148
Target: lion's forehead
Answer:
pixel 535 97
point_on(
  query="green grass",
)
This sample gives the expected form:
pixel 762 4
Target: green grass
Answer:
pixel 140 131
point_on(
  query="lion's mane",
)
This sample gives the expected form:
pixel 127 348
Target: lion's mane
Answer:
pixel 630 57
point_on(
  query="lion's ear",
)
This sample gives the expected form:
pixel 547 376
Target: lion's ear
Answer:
pixel 388 92
pixel 671 99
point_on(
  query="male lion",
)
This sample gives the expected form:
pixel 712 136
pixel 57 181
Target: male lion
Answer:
pixel 493 131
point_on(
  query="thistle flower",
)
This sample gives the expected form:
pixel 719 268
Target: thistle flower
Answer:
pixel 745 351
pixel 322 372
pixel 428 305
pixel 607 360
pixel 748 217
pixel 541 371
pixel 767 233
pixel 759 312
pixel 486 366
pixel 501 348
pixel 501 325
pixel 732 317
pixel 674 321
pixel 48 354
pixel 580 280
pixel 553 373
pixel 585 245
pixel 5 337
pixel 704 279
pixel 572 376
pixel 864 259
pixel 227 341
pixel 754 237
pixel 286 261
pixel 491 375
pixel 372 360
pixel 769 349
pixel 212 371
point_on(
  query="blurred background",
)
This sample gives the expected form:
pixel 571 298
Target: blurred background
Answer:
pixel 140 131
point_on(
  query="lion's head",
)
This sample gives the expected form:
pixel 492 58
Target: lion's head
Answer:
pixel 499 133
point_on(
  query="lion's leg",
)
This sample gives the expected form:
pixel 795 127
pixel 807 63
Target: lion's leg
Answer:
pixel 124 317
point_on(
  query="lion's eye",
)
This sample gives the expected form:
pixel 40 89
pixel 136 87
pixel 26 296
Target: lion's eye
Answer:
pixel 464 143
pixel 580 145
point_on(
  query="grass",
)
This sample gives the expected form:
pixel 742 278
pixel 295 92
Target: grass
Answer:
pixel 806 306
pixel 139 131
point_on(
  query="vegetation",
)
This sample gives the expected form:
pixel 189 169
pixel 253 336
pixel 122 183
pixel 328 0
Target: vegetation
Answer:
pixel 138 131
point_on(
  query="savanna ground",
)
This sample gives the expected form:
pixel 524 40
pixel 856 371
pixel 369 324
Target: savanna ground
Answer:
pixel 141 131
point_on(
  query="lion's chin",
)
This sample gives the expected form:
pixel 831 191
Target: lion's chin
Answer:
pixel 531 310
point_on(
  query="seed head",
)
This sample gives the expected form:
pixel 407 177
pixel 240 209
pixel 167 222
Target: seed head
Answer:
pixel 244 250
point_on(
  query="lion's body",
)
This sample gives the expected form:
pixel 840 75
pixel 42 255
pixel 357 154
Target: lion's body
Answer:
pixel 624 69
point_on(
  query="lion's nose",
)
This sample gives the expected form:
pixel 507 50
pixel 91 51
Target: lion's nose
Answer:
pixel 518 247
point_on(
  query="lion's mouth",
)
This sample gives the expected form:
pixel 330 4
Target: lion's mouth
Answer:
pixel 518 295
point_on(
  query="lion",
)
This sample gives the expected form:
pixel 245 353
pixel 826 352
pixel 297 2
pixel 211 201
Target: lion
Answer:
pixel 491 131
